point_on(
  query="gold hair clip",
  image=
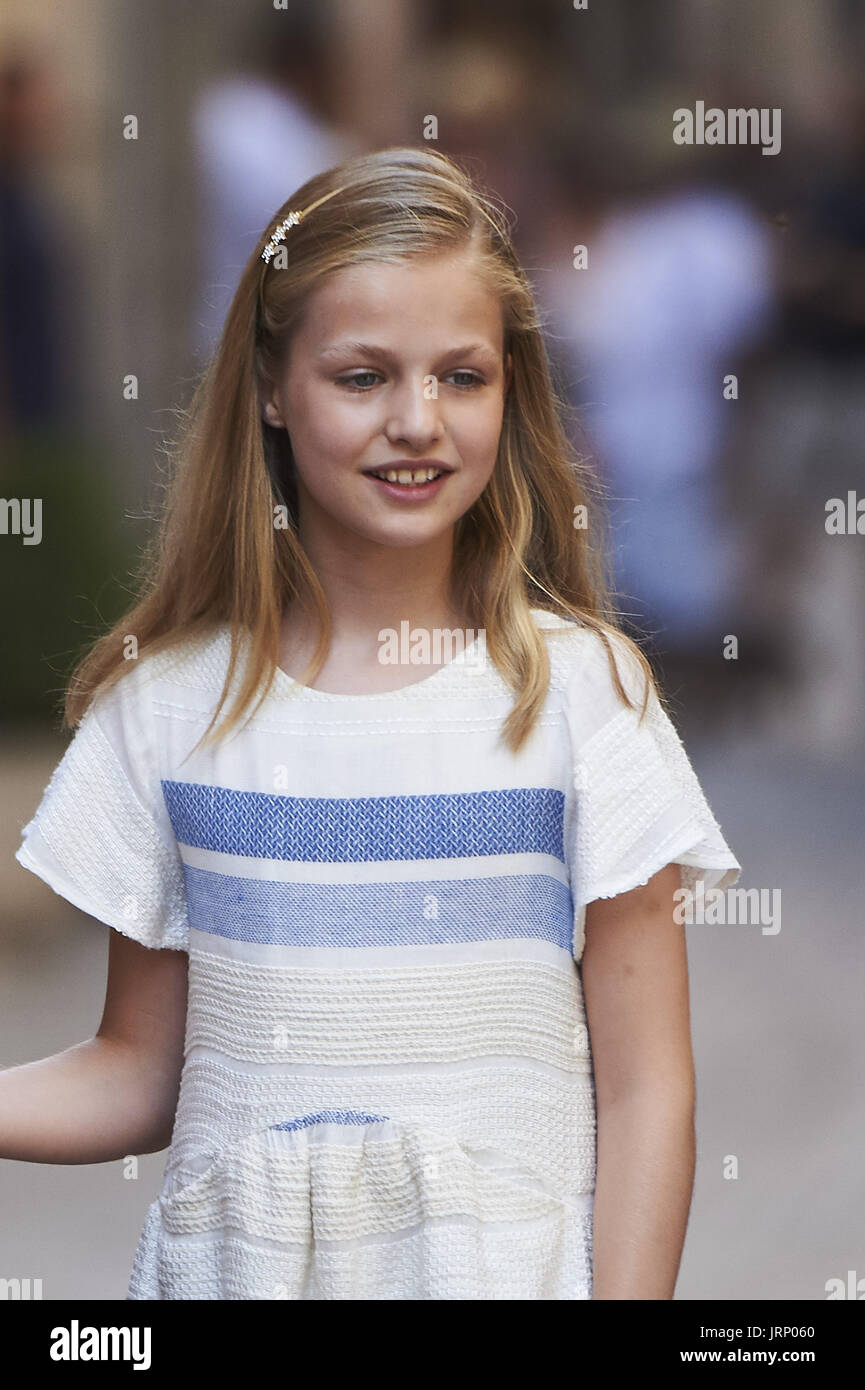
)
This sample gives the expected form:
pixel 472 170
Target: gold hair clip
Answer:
pixel 291 221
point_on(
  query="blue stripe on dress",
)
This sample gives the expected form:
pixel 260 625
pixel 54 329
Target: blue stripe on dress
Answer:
pixel 330 1117
pixel 337 830
pixel 380 914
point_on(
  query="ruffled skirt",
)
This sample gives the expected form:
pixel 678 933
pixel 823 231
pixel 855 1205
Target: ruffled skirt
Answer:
pixel 363 1207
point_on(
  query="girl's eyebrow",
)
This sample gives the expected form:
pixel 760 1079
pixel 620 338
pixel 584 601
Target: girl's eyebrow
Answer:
pixel 371 350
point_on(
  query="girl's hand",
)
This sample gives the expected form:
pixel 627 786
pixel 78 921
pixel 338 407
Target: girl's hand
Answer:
pixel 115 1094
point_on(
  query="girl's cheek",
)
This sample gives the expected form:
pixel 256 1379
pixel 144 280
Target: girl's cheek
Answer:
pixel 481 434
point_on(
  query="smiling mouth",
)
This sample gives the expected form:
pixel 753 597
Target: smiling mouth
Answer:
pixel 408 477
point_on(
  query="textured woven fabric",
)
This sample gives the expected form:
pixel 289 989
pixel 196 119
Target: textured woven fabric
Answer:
pixel 387 1089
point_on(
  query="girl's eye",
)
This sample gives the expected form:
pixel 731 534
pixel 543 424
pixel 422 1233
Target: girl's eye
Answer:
pixel 353 382
pixel 356 383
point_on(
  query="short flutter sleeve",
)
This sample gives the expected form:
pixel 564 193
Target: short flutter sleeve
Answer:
pixel 638 803
pixel 100 836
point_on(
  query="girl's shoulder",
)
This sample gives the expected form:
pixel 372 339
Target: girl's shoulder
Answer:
pixel 192 666
pixel 641 805
pixel 580 661
pixel 101 835
pixel 198 662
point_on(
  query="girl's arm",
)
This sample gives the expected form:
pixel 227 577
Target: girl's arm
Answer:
pixel 635 982
pixel 115 1094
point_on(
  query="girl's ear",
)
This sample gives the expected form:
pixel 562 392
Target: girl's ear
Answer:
pixel 270 409
pixel 270 412
pixel 509 370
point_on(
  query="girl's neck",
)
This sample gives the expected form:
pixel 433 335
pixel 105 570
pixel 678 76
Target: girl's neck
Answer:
pixel 368 644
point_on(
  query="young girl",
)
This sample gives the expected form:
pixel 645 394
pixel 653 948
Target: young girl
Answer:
pixel 414 1012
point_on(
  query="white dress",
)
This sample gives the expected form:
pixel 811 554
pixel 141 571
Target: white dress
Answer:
pixel 387 1090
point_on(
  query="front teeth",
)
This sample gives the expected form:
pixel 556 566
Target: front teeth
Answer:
pixel 409 475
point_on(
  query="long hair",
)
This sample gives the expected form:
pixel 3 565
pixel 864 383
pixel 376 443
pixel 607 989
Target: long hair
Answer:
pixel 218 558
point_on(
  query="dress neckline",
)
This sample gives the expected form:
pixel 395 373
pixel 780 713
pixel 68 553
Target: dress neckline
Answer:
pixel 286 684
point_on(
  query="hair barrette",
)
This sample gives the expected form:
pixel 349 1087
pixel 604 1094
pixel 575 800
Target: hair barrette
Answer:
pixel 290 221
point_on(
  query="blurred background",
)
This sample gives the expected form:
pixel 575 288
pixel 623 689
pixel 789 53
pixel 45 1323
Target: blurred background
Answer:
pixel 711 351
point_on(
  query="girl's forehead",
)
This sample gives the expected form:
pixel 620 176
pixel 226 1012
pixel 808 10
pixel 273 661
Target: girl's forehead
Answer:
pixel 445 290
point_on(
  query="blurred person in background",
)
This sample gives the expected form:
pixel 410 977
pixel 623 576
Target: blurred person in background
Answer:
pixel 34 390
pixel 804 439
pixel 260 131
pixel 678 286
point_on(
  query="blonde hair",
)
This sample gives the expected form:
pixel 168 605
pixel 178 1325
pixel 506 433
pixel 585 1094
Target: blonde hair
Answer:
pixel 217 556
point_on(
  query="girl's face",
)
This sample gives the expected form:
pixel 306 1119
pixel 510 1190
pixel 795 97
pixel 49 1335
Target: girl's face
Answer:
pixel 394 367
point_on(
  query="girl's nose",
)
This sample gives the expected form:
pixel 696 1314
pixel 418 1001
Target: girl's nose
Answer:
pixel 414 411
